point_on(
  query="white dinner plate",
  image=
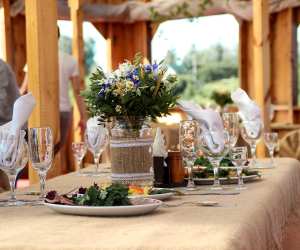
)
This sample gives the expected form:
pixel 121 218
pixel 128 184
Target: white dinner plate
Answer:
pixel 231 180
pixel 141 206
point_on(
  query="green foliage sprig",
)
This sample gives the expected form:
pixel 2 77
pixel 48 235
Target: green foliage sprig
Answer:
pixel 114 195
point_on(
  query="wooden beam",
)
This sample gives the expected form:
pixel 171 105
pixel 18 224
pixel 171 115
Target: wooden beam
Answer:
pixel 5 32
pixel 261 60
pixel 42 47
pixel 102 28
pixel 284 63
pixel 246 57
pixel 78 53
pixel 77 39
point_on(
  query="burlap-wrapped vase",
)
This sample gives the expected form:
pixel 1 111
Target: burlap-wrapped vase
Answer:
pixel 131 157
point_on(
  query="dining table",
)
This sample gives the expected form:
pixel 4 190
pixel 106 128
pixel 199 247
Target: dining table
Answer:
pixel 251 219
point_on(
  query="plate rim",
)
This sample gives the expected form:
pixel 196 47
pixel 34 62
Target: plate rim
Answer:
pixel 156 202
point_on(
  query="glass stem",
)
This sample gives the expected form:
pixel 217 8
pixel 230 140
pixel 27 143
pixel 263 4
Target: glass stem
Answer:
pixel 79 164
pixel 240 176
pixel 190 172
pixel 272 156
pixel 253 153
pixel 12 183
pixel 42 176
pixel 96 161
pixel 216 164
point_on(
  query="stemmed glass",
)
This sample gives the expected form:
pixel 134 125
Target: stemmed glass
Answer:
pixel 79 150
pixel 271 141
pixel 239 158
pixel 231 125
pixel 188 136
pixel 97 138
pixel 13 158
pixel 251 132
pixel 214 152
pixel 41 153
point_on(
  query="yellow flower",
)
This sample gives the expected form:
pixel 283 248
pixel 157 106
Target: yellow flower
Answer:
pixel 118 109
pixel 129 85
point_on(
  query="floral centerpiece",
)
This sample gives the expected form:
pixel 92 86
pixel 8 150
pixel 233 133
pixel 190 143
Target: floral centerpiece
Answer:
pixel 128 97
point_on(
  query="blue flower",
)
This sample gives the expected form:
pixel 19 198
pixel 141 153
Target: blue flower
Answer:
pixel 101 92
pixel 134 77
pixel 148 68
pixel 152 68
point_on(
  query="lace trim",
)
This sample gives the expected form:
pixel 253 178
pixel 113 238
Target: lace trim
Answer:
pixel 130 143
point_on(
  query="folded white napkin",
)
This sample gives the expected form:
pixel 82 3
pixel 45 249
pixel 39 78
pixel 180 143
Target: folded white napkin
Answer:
pixel 9 132
pixel 23 108
pixel 159 147
pixel 210 122
pixel 96 134
pixel 249 111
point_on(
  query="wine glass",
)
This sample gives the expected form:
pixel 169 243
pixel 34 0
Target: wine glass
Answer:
pixel 97 138
pixel 79 150
pixel 188 135
pixel 251 132
pixel 215 152
pixel 239 158
pixel 12 161
pixel 271 141
pixel 41 153
pixel 231 125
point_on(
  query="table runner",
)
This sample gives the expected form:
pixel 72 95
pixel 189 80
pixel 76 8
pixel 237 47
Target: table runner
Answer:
pixel 252 220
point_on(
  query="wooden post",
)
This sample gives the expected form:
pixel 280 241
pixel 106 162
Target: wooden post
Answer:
pixel 5 32
pixel 18 24
pixel 246 57
pixel 283 68
pixel 261 61
pixel 42 47
pixel 125 40
pixel 78 53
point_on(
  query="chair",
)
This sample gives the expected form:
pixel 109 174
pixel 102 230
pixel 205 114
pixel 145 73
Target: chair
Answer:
pixel 289 145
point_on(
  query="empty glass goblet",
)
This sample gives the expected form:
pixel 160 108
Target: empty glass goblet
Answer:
pixel 239 158
pixel 251 132
pixel 231 125
pixel 97 138
pixel 79 151
pixel 12 161
pixel 271 141
pixel 188 136
pixel 41 153
pixel 215 152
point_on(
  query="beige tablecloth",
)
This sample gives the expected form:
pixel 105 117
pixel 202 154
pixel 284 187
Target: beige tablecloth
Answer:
pixel 252 220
